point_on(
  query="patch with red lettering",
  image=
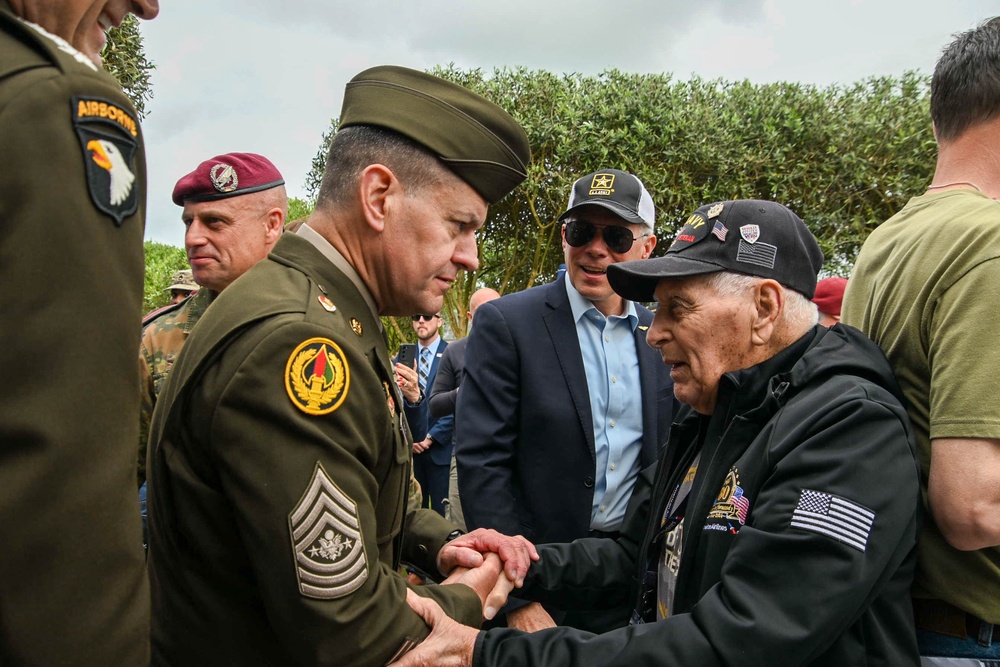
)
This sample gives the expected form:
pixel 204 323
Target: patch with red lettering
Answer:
pixel 108 135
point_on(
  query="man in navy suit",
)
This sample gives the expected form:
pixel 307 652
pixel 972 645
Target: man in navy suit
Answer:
pixel 432 441
pixel 563 402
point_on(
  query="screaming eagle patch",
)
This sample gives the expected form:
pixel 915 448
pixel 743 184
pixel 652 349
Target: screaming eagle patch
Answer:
pixel 108 136
pixel 330 560
pixel 317 376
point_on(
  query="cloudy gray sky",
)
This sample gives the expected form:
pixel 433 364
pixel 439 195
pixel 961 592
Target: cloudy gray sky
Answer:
pixel 267 76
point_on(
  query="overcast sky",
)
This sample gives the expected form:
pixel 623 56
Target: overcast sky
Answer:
pixel 267 76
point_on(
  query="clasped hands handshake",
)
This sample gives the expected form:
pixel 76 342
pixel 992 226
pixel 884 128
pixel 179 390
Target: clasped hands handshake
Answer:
pixel 492 565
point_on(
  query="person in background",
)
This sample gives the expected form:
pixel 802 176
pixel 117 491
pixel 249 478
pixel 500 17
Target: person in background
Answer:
pixel 925 288
pixel 444 396
pixel 562 401
pixel 73 586
pixel 829 296
pixel 181 286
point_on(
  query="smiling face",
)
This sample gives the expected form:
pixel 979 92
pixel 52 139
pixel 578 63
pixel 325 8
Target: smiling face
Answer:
pixel 702 335
pixel 83 23
pixel 587 265
pixel 429 236
pixel 224 238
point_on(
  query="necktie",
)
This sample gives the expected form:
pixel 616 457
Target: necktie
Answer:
pixel 425 367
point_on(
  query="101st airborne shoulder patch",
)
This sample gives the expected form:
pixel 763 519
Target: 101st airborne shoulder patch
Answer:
pixel 329 552
pixel 317 376
pixel 108 136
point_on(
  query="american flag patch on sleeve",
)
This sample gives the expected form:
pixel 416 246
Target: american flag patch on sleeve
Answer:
pixel 841 519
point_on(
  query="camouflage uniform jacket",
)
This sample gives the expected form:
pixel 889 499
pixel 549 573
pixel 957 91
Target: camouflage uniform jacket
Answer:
pixel 162 339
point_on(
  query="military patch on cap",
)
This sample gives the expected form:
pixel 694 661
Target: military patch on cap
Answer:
pixel 750 233
pixel 602 184
pixel 694 230
pixel 108 138
pixel 224 178
pixel 715 210
pixel 317 376
pixel 329 552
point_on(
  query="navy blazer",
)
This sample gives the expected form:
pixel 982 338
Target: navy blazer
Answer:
pixel 422 424
pixel 525 445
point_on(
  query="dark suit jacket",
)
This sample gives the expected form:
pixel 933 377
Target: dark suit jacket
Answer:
pixel 444 395
pixel 422 424
pixel 525 450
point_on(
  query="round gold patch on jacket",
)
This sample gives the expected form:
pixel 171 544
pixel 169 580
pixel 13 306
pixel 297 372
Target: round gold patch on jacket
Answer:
pixel 317 376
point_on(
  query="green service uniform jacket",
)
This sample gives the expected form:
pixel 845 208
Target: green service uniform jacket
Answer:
pixel 73 588
pixel 278 474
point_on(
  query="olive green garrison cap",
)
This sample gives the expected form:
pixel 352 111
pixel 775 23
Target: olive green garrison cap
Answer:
pixel 475 138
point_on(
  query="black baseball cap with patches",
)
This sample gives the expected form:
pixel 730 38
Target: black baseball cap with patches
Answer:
pixel 749 236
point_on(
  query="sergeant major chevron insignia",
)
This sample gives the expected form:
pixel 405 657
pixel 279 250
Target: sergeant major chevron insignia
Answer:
pixel 330 560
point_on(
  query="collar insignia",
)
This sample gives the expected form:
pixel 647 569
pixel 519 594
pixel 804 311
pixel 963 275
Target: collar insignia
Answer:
pixel 356 326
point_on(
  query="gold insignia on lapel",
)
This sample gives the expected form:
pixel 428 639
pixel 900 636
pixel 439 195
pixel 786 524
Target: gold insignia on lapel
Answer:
pixel 389 400
pixel 317 376
pixel 356 326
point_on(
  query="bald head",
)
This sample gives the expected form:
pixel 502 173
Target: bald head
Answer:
pixel 479 297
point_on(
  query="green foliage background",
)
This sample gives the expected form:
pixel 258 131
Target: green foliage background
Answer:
pixel 162 261
pixel 844 158
pixel 125 59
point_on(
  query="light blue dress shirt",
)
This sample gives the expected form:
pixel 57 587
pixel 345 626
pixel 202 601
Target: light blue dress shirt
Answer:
pixel 612 366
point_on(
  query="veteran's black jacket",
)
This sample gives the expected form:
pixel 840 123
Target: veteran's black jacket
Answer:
pixel 824 415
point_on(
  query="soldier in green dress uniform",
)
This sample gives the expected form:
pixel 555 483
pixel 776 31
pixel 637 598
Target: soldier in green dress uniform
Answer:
pixel 73 587
pixel 279 457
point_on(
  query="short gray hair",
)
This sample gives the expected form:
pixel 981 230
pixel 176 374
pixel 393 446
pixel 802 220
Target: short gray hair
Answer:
pixel 799 312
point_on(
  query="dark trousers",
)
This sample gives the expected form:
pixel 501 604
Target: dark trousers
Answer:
pixel 433 479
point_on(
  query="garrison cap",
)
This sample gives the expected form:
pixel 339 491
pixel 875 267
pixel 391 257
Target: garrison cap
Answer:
pixel 183 280
pixel 229 175
pixel 749 236
pixel 477 140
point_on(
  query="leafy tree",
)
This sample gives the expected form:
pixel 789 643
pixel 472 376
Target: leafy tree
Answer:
pixel 162 261
pixel 298 209
pixel 125 59
pixel 844 157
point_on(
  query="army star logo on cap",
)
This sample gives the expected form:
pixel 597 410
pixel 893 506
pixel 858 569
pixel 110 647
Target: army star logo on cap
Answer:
pixel 108 136
pixel 329 552
pixel 356 326
pixel 224 177
pixel 602 184
pixel 317 376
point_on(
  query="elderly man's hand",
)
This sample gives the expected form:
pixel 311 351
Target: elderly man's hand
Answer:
pixel 487 582
pixel 449 644
pixel 467 551
pixel 530 618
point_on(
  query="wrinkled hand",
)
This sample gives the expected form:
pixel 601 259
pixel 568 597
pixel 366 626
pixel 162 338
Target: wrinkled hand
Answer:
pixel 530 618
pixel 467 551
pixel 406 378
pixel 486 581
pixel 423 445
pixel 449 644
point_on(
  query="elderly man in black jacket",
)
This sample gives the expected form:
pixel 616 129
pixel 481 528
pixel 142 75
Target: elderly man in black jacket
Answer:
pixel 780 523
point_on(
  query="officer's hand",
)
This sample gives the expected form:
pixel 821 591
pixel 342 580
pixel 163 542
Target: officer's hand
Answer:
pixel 449 644
pixel 467 550
pixel 479 578
pixel 422 446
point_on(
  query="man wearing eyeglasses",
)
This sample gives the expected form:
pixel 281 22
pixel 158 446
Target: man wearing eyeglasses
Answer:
pixel 432 444
pixel 563 402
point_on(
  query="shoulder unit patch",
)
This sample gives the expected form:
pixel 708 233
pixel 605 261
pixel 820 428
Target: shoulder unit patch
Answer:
pixel 327 546
pixel 317 376
pixel 108 136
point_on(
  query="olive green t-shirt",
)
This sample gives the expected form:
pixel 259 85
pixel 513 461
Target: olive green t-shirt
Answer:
pixel 926 288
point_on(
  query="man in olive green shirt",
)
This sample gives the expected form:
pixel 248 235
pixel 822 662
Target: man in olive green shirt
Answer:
pixel 926 288
pixel 73 586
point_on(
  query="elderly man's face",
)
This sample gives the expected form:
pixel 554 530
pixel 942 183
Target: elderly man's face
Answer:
pixel 430 237
pixel 83 23
pixel 701 335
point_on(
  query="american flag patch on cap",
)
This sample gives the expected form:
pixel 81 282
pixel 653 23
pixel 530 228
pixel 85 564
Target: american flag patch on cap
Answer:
pixel 841 519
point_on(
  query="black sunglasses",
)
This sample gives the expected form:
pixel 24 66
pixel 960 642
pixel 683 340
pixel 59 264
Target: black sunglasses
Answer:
pixel 425 318
pixel 618 239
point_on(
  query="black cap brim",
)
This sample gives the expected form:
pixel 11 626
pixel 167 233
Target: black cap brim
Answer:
pixel 620 211
pixel 637 280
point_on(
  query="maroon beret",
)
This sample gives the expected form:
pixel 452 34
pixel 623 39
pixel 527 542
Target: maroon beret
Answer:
pixel 229 175
pixel 829 295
